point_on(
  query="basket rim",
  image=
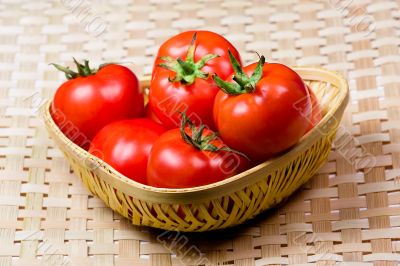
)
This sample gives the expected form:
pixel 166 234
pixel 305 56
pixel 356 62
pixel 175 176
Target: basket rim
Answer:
pixel 214 190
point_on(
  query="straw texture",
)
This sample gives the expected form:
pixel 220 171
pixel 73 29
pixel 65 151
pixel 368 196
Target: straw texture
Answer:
pixel 349 212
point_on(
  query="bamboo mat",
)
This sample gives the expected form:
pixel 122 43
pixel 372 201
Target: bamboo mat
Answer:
pixel 349 213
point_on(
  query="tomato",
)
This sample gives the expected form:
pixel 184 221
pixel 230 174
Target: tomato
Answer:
pixel 191 156
pixel 125 145
pixel 181 80
pixel 148 113
pixel 316 114
pixel 91 99
pixel 264 114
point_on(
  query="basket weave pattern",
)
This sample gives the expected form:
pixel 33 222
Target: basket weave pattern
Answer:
pixel 347 213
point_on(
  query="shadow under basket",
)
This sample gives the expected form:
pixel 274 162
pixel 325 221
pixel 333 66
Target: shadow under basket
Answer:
pixel 225 203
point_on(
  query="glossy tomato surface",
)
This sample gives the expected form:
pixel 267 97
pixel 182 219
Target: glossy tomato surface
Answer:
pixel 83 105
pixel 126 145
pixel 268 120
pixel 167 99
pixel 148 113
pixel 174 163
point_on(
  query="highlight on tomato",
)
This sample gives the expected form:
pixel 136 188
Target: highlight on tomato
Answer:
pixel 92 98
pixel 125 145
pixel 181 77
pixel 255 110
pixel 192 156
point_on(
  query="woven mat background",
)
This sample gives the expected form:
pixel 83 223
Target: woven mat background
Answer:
pixel 349 212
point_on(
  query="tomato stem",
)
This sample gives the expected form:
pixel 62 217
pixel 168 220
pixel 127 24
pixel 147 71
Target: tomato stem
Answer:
pixel 187 70
pixel 197 138
pixel 83 70
pixel 191 49
pixel 244 83
pixel 69 74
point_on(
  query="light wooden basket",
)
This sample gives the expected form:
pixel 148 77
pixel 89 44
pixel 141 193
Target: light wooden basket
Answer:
pixel 228 202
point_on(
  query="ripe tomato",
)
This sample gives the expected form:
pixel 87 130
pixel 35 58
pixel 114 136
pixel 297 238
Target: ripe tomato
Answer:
pixel 148 113
pixel 257 115
pixel 191 156
pixel 316 114
pixel 91 99
pixel 181 80
pixel 126 145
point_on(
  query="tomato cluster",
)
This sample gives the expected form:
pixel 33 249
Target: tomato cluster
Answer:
pixel 198 88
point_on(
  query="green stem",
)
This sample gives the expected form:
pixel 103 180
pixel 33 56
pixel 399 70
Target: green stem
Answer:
pixel 83 70
pixel 186 66
pixel 186 71
pixel 243 83
pixel 197 138
pixel 192 46
pixel 69 74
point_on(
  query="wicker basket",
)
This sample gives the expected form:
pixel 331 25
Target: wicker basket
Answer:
pixel 228 202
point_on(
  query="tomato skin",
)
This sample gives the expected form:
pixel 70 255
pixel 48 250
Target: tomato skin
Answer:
pixel 167 98
pixel 148 113
pixel 126 145
pixel 173 163
pixel 316 114
pixel 83 105
pixel 266 121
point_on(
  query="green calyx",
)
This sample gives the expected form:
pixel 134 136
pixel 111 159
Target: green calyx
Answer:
pixel 197 140
pixel 187 70
pixel 83 70
pixel 244 83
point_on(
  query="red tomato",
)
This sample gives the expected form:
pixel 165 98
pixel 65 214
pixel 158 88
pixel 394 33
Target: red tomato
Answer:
pixel 126 145
pixel 177 85
pixel 89 100
pixel 316 114
pixel 191 156
pixel 257 115
pixel 148 113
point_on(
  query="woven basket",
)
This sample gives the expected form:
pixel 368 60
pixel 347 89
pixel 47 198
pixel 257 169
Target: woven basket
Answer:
pixel 228 202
